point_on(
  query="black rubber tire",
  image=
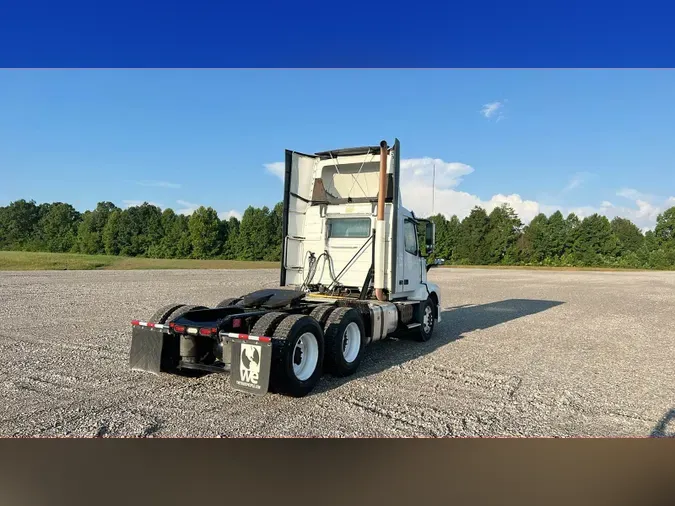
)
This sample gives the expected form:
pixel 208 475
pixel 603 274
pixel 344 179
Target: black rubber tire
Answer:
pixel 162 314
pixel 322 312
pixel 233 301
pixel 335 328
pixel 286 335
pixel 181 311
pixel 267 324
pixel 420 334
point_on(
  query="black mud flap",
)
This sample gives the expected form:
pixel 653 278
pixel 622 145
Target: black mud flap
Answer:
pixel 146 350
pixel 251 364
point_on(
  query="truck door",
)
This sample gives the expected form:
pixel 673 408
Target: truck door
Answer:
pixel 412 267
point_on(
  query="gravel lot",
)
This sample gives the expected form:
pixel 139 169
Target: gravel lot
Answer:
pixel 532 353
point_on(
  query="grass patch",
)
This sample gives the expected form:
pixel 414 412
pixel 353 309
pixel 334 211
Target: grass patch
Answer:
pixel 39 261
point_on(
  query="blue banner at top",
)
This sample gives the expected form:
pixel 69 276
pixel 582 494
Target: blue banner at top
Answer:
pixel 470 34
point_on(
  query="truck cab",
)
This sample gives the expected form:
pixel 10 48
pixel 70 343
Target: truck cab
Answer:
pixel 342 209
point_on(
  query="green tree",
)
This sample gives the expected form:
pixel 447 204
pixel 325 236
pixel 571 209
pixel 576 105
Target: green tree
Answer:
pixel 113 234
pixel 471 244
pixel 231 246
pixel 595 243
pixel 254 234
pixel 204 227
pixel 58 227
pixel 447 232
pixel 664 232
pixel 19 224
pixel 535 244
pixel 275 219
pixel 572 224
pixel 629 235
pixel 145 232
pixel 503 232
pixel 176 242
pixel 90 230
pixel 556 236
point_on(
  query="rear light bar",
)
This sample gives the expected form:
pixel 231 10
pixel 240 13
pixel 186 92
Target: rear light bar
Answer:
pixel 149 324
pixel 205 331
pixel 247 337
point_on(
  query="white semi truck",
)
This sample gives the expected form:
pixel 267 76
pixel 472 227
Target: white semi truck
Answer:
pixel 352 272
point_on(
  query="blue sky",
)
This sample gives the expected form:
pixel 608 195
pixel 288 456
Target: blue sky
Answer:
pixel 584 141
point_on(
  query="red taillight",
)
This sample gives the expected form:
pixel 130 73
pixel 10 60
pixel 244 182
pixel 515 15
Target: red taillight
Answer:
pixel 207 332
pixel 179 328
pixel 236 323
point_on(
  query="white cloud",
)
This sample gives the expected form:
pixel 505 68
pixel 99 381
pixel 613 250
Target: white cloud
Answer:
pixel 629 193
pixel 448 174
pixel 226 215
pixel 159 184
pixel 493 110
pixel 577 180
pixel 134 203
pixel 276 168
pixel 187 208
pixel 416 190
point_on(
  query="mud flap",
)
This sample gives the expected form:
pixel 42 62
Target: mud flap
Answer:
pixel 251 364
pixel 146 350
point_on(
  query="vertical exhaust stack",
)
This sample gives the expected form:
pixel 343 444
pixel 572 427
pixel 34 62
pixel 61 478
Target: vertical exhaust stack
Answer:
pixel 380 229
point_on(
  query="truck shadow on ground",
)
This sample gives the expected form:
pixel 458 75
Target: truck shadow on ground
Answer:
pixel 455 322
pixel 661 429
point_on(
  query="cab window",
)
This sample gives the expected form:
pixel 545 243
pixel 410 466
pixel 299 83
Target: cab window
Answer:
pixel 410 237
pixel 343 228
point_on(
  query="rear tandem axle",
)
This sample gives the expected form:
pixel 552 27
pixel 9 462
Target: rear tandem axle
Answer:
pixel 271 340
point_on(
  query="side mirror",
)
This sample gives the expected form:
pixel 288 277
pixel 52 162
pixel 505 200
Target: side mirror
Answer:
pixel 430 236
pixel 436 262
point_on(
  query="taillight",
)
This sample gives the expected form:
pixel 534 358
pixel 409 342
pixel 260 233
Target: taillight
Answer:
pixel 179 328
pixel 207 332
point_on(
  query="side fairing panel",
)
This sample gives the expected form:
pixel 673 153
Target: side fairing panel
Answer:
pixel 298 180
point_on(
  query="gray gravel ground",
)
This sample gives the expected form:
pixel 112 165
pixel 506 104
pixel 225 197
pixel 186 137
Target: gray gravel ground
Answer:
pixel 529 353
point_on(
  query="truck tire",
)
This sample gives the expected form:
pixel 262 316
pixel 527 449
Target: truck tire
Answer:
pixel 345 337
pixel 297 355
pixel 267 324
pixel 321 314
pixel 233 301
pixel 426 317
pixel 180 311
pixel 162 314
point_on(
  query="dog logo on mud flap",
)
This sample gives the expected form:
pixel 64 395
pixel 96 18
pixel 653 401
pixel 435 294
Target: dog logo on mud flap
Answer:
pixel 249 363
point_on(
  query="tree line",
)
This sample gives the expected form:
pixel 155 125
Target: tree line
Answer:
pixel 141 231
pixel 481 238
pixel 500 238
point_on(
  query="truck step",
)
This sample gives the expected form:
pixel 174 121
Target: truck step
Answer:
pixel 413 325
